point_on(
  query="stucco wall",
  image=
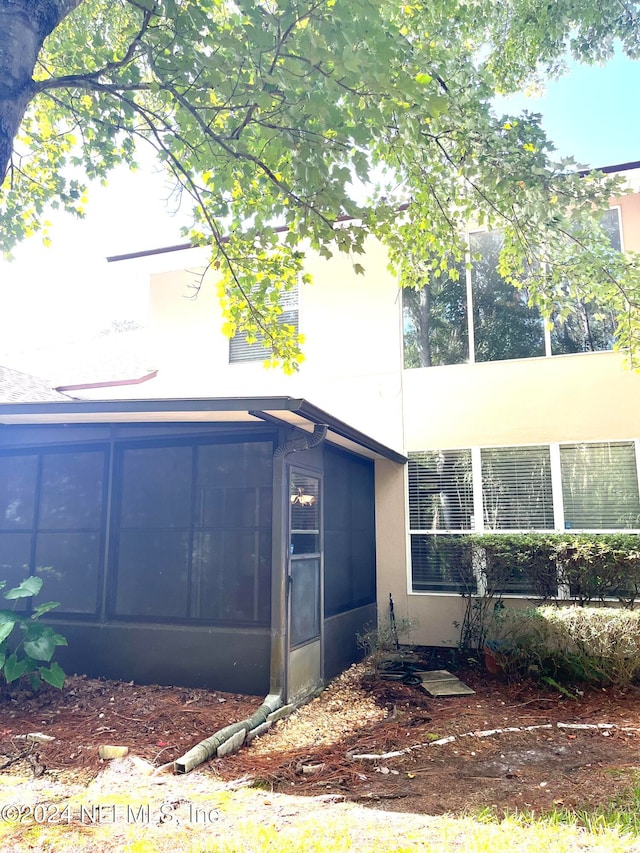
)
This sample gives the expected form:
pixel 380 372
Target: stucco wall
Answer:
pixel 353 344
pixel 589 396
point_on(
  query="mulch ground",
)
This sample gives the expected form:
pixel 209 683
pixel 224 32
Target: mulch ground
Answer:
pixel 456 754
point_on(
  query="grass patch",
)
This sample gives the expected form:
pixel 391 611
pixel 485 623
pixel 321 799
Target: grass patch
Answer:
pixel 620 817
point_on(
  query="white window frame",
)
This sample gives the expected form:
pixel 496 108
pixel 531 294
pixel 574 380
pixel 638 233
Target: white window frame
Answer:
pixel 477 520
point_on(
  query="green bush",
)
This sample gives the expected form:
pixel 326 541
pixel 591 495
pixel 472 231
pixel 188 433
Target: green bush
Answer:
pixel 590 566
pixel 27 646
pixel 585 568
pixel 593 644
pixel 600 566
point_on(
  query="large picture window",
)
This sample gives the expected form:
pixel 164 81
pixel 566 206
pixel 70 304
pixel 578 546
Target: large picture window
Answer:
pixel 590 487
pixel 474 315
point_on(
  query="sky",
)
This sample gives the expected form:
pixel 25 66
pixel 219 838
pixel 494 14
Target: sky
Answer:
pixel 68 290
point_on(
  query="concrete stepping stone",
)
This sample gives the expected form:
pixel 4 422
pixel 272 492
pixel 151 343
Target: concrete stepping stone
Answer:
pixel 441 683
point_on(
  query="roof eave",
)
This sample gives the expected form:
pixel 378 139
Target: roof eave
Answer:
pixel 165 410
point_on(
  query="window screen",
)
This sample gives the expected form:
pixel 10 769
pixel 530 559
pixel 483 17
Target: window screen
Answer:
pixel 349 532
pixel 17 491
pixel 600 486
pixel 195 532
pixel 304 499
pixel 51 519
pixel 516 488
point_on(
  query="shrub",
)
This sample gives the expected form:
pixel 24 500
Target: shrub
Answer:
pixel 595 644
pixel 603 567
pixel 384 638
pixel 27 646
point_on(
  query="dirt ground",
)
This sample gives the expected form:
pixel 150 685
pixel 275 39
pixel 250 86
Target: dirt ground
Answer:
pixel 458 754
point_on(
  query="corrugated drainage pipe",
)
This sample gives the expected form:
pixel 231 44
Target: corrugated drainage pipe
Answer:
pixel 305 443
pixel 232 737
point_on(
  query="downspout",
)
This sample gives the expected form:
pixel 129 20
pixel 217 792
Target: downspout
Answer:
pixel 230 738
pixel 305 443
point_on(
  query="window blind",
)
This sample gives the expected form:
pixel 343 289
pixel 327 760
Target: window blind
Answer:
pixel 440 490
pixel 441 563
pixel 242 350
pixel 516 488
pixel 600 486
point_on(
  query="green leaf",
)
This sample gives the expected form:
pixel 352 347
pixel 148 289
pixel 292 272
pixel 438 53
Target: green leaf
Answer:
pixel 41 644
pixel 8 620
pixel 28 587
pixel 14 668
pixel 423 79
pixel 53 675
pixel 5 629
pixel 44 608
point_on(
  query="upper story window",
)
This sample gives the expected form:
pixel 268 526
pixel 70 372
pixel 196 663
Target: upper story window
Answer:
pixel 240 349
pixel 474 315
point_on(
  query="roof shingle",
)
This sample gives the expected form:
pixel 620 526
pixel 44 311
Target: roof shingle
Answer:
pixel 18 387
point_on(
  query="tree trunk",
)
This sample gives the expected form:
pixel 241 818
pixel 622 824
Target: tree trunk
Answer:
pixel 24 25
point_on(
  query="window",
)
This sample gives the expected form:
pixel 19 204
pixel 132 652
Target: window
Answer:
pixel 588 327
pixel 194 537
pixel 440 502
pixel 505 326
pixel 600 486
pixel 436 323
pixel 453 493
pixel 51 510
pixel 241 350
pixel 441 563
pixel 440 490
pixel 440 329
pixel 516 488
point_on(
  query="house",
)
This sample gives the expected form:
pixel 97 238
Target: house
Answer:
pixel 221 536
